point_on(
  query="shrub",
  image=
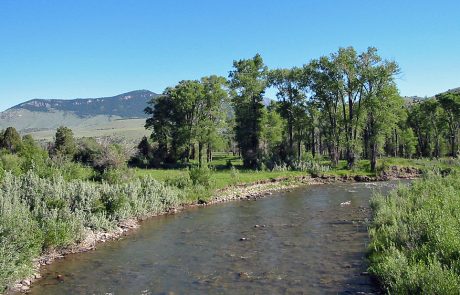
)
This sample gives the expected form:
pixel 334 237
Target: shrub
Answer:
pixel 201 176
pixel 235 175
pixel 20 236
pixel 114 175
pixel 37 214
pixel 12 163
pixel 415 237
pixel 182 181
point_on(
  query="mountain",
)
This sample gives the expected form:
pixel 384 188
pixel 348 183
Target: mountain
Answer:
pixel 42 116
pixel 130 104
pixel 454 90
pixel 409 100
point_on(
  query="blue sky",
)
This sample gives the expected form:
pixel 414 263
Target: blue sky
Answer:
pixel 70 49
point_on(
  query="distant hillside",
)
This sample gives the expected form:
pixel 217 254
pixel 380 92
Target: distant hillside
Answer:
pixel 125 105
pixel 454 90
pixel 412 99
pixel 43 116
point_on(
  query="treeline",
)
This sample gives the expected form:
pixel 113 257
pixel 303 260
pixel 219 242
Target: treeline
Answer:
pixel 344 106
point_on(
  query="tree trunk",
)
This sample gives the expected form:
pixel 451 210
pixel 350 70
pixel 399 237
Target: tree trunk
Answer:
pixel 200 153
pixel 313 143
pixel 209 153
pixel 373 157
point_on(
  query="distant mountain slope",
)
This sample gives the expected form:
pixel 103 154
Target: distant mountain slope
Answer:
pixel 89 114
pixel 454 90
pixel 129 104
pixel 409 100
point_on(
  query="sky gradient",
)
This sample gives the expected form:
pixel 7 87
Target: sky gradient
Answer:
pixel 78 49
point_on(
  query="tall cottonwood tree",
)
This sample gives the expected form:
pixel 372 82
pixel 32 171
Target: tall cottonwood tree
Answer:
pixel 426 118
pixel 323 78
pixel 291 102
pixel 380 98
pixel 248 81
pixel 211 115
pixel 450 103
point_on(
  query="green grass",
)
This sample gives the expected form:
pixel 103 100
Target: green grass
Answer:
pixel 223 175
pixel 415 237
pixel 222 178
pixel 424 164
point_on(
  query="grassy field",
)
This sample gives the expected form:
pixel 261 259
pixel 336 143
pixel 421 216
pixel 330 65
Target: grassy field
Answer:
pixel 128 129
pixel 221 174
pixel 224 176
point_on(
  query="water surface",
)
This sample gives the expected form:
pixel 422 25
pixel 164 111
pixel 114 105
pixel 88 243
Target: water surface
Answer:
pixel 298 242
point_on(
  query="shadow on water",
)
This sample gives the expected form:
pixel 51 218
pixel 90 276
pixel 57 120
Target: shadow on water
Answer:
pixel 303 242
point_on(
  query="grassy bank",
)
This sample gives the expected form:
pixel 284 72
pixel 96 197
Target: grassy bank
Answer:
pixel 415 237
pixel 39 215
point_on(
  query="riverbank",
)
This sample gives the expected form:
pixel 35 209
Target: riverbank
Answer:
pixel 415 237
pixel 250 191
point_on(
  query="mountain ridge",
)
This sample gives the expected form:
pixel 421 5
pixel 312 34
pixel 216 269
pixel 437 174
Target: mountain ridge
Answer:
pixel 120 115
pixel 129 104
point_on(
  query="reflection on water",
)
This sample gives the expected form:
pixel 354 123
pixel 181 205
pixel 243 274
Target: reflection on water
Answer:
pixel 298 242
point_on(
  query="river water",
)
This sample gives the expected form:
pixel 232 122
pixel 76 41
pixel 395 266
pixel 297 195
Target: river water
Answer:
pixel 298 242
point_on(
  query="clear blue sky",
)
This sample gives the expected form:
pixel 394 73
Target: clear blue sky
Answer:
pixel 93 48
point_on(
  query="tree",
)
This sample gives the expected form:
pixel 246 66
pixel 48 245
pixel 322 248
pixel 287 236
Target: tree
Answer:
pixel 450 102
pixel 64 143
pixel 322 77
pixel 11 140
pixel 290 99
pixel 190 112
pixel 211 115
pixel 381 100
pixel 348 63
pixel 408 142
pixel 248 81
pixel 160 110
pixel 33 156
pixel 425 118
pixel 174 118
pixel 87 150
pixel 383 109
pixel 272 130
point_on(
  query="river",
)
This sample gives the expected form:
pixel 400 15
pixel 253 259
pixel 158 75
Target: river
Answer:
pixel 298 242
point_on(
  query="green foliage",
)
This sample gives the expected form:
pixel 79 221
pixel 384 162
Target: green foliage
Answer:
pixel 272 131
pixel 201 176
pixel 181 181
pixel 10 140
pixel 248 81
pixel 415 237
pixel 38 214
pixel 20 238
pixel 116 175
pixel 11 162
pixel 234 175
pixel 88 149
pixel 188 113
pixel 450 103
pixel 426 118
pixel 291 102
pixel 64 143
